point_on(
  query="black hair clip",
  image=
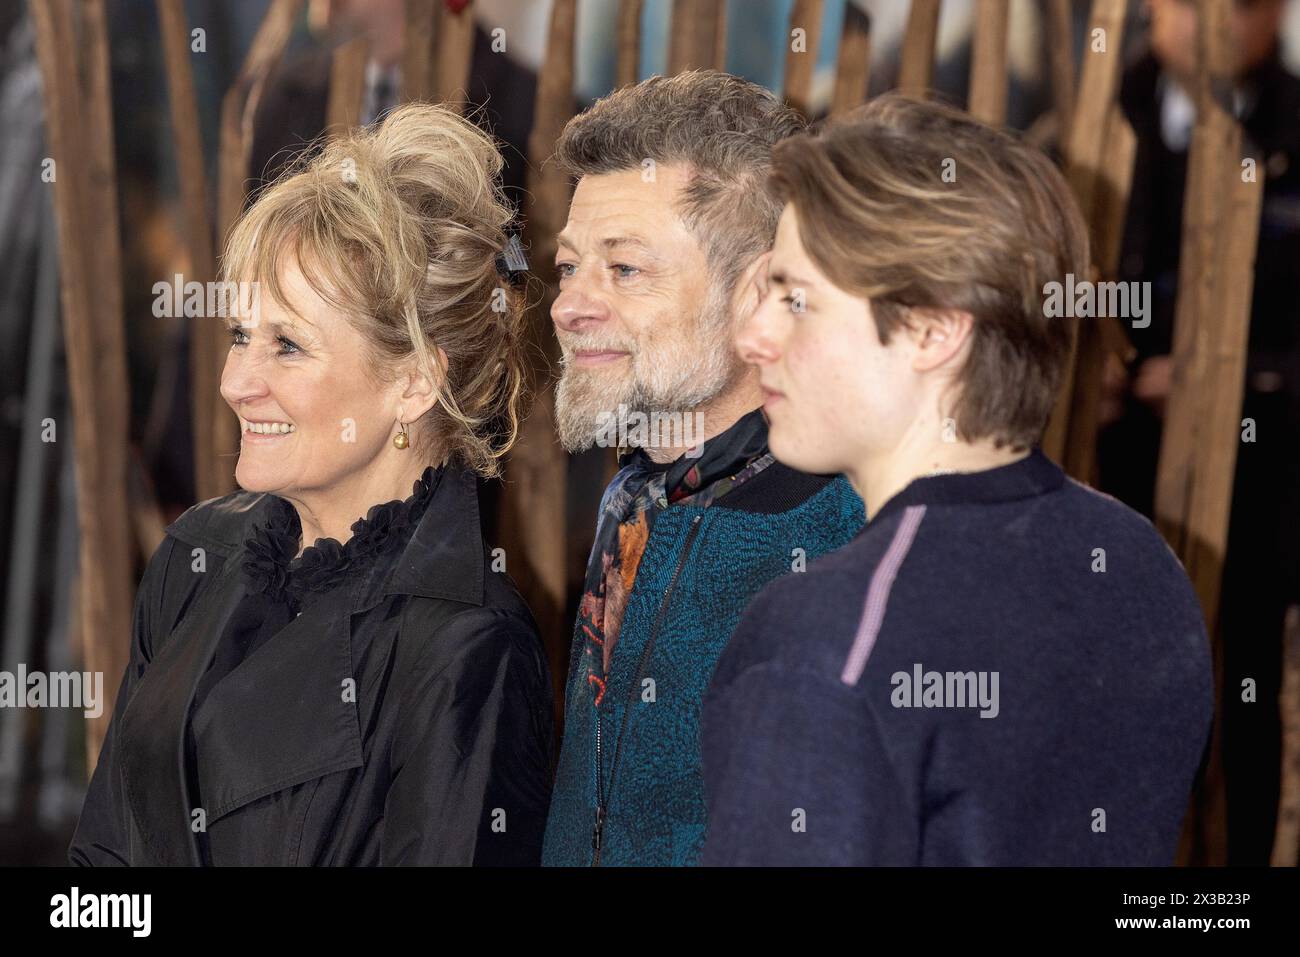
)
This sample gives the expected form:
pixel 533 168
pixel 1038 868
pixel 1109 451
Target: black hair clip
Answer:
pixel 512 264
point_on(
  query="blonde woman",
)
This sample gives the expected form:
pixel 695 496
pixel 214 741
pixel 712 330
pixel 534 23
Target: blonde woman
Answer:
pixel 325 668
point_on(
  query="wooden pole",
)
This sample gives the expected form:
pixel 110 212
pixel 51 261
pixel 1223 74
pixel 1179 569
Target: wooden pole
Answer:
pixel 1198 451
pixel 206 346
pixel 1217 358
pixel 104 252
pixel 532 510
pixel 418 39
pixel 1110 202
pixel 79 127
pixel 628 69
pixel 1091 172
pixel 185 128
pixel 916 62
pixel 1098 87
pixel 1101 337
pixel 1110 213
pixel 801 53
pixel 720 36
pixel 347 85
pixel 1060 52
pixel 1215 269
pixel 988 74
pixel 455 49
pixel 694 36
pixel 853 63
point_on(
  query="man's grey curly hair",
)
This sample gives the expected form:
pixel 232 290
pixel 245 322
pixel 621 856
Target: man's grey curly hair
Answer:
pixel 719 126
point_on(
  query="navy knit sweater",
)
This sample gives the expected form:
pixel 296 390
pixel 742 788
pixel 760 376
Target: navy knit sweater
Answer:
pixel 1002 668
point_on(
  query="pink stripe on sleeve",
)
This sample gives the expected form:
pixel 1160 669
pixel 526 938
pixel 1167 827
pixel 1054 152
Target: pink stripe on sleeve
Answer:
pixel 882 580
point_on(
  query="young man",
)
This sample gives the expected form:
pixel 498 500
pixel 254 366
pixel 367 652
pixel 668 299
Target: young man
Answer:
pixel 1003 667
pixel 670 222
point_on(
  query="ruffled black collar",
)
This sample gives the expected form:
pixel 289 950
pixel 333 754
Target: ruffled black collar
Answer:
pixel 271 569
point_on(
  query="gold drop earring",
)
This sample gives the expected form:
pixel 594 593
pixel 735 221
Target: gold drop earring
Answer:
pixel 400 440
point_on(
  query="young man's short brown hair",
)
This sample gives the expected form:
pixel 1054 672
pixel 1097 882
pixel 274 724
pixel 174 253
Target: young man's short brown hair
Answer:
pixel 909 203
pixel 721 127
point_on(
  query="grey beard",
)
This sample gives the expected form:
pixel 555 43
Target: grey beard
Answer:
pixel 665 378
pixel 580 399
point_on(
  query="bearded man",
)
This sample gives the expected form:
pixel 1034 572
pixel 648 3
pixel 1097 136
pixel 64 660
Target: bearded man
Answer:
pixel 659 263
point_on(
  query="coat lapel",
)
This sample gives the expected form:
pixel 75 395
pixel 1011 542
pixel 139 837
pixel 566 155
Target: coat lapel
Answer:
pixel 152 743
pixel 286 715
pixel 444 558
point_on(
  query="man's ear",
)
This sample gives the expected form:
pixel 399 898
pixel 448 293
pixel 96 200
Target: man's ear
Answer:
pixel 420 390
pixel 750 289
pixel 940 337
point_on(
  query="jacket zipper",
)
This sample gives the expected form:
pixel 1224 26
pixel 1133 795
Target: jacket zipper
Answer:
pixel 603 799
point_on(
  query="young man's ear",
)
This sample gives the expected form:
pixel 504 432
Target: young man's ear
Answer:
pixel 750 289
pixel 939 337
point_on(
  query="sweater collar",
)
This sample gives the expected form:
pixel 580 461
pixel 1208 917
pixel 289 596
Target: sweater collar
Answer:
pixel 1029 477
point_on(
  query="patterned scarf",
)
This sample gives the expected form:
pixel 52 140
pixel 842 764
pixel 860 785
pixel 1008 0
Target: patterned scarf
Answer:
pixel 639 491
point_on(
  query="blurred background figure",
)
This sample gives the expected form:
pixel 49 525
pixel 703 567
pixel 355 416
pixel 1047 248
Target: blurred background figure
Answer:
pixel 1261 575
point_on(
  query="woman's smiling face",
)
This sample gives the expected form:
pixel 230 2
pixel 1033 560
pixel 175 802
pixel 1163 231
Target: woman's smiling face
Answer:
pixel 311 413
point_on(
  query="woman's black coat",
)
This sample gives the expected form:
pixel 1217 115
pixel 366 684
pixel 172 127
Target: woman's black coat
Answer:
pixel 440 755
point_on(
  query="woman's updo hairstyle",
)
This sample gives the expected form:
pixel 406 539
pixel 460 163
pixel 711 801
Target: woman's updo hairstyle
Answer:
pixel 399 225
